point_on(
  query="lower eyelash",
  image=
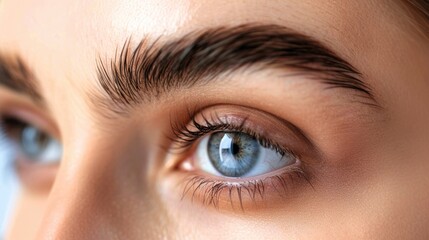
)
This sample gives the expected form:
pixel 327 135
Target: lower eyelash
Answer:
pixel 210 191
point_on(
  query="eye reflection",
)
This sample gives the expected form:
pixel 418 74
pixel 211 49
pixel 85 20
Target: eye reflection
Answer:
pixel 233 154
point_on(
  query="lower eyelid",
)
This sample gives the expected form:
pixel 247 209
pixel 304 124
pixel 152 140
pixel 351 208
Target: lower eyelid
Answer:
pixel 242 194
pixel 36 177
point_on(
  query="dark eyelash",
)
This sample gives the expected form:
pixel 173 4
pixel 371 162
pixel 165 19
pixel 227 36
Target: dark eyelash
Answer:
pixel 210 190
pixel 185 136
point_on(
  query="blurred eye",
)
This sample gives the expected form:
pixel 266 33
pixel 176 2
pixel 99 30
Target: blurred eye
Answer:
pixel 39 146
pixel 31 143
pixel 237 154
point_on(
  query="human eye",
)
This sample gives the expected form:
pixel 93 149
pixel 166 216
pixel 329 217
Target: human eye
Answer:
pixel 239 156
pixel 35 152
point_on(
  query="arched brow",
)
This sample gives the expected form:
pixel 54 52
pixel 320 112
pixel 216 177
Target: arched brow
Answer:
pixel 16 76
pixel 152 69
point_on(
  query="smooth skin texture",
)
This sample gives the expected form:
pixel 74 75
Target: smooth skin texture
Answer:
pixel 114 182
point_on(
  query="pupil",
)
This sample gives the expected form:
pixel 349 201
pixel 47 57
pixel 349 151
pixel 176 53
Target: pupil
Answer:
pixel 235 149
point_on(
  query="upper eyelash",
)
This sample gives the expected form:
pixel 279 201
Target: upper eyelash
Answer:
pixel 185 136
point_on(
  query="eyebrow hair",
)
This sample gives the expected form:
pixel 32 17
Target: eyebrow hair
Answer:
pixel 151 69
pixel 15 75
pixel 418 11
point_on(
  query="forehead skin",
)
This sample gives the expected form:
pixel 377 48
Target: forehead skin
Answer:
pixel 61 41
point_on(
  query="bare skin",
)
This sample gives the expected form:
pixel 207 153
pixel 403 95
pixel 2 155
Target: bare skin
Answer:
pixel 115 180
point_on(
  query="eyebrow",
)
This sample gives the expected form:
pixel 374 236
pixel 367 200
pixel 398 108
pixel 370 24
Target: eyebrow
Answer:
pixel 15 75
pixel 152 69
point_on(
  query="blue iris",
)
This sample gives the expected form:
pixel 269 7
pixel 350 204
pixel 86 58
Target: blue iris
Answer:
pixel 34 141
pixel 233 154
pixel 39 146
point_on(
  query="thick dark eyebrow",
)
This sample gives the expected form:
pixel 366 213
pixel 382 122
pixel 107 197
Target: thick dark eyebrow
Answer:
pixel 152 69
pixel 15 75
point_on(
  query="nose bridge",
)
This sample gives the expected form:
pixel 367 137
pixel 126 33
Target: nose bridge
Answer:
pixel 94 197
pixel 78 201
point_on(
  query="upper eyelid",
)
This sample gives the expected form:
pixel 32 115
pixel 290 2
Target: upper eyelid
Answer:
pixel 29 116
pixel 295 137
pixel 26 110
